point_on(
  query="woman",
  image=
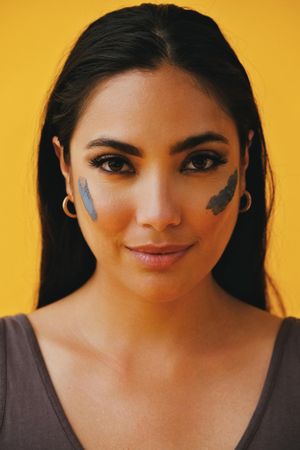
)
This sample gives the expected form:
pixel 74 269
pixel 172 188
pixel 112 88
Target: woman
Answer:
pixel 153 327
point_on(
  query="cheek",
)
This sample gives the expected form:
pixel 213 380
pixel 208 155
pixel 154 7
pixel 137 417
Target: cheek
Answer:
pixel 215 200
pixel 218 202
pixel 101 215
pixel 113 215
pixel 107 210
pixel 213 213
pixel 213 231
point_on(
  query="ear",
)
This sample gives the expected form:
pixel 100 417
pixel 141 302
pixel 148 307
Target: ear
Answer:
pixel 64 167
pixel 245 161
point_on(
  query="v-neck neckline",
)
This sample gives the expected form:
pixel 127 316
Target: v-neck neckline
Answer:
pixel 253 424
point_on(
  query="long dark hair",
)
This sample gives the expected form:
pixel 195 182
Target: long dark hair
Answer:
pixel 145 37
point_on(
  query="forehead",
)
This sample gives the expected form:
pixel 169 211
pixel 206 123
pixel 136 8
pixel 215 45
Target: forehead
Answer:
pixel 157 106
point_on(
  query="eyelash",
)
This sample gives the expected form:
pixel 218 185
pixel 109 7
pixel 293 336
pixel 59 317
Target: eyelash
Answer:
pixel 217 160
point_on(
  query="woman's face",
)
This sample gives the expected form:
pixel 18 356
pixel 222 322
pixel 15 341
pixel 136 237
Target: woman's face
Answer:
pixel 151 193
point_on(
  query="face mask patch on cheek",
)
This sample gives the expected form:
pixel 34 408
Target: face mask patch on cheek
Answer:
pixel 86 197
pixel 218 202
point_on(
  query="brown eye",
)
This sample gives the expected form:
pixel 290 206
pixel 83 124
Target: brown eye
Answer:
pixel 113 163
pixel 200 162
pixel 204 162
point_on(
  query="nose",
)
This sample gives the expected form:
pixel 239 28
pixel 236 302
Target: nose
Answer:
pixel 158 203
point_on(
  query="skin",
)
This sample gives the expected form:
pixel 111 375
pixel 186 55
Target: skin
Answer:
pixel 136 315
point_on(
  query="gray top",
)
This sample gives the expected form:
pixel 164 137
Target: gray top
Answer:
pixel 32 417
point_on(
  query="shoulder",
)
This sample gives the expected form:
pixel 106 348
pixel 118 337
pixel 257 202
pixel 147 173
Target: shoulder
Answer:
pixel 55 329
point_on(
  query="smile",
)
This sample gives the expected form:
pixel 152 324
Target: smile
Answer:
pixel 158 260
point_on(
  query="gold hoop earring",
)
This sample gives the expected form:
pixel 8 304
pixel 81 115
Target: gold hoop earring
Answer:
pixel 65 207
pixel 248 203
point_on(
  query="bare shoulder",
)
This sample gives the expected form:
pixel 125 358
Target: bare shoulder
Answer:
pixel 260 320
pixel 54 323
pixel 256 329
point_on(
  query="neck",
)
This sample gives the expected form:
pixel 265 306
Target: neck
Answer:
pixel 127 324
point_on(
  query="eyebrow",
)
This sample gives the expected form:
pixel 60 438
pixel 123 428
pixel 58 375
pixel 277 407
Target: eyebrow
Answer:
pixel 178 147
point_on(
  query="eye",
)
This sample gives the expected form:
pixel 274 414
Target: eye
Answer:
pixel 204 161
pixel 114 163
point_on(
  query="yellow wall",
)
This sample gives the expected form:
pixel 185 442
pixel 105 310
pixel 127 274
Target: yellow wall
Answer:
pixel 36 37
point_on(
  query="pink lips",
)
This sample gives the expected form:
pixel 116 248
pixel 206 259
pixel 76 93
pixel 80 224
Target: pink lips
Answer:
pixel 159 257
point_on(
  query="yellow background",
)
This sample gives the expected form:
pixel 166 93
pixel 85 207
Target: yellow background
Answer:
pixel 36 37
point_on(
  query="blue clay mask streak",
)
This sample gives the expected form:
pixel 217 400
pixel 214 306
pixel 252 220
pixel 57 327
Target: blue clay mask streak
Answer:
pixel 218 202
pixel 86 197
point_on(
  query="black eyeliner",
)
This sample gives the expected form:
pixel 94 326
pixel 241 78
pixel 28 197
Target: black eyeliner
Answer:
pixel 217 159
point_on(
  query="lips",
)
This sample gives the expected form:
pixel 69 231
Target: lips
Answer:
pixel 149 257
pixel 160 249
